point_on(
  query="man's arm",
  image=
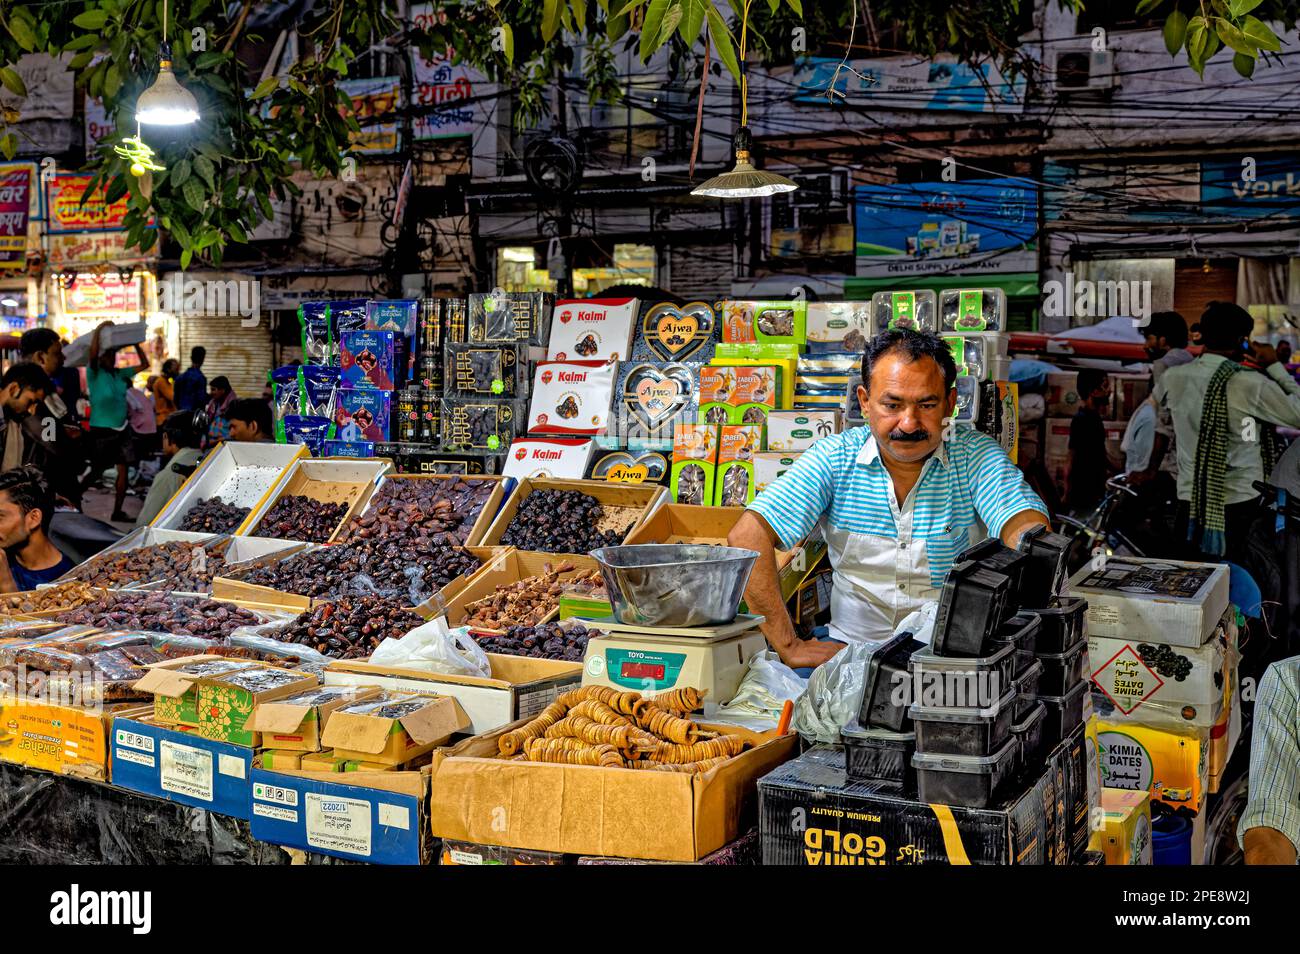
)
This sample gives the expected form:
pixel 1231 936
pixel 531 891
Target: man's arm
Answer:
pixel 1268 846
pixel 1015 528
pixel 1270 825
pixel 763 595
pixel 94 343
pixel 7 582
pixel 1004 502
pixel 1278 402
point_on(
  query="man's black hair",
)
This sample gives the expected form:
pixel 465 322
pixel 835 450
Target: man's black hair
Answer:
pixel 1090 379
pixel 197 354
pixel 180 430
pixel 27 375
pixel 1224 325
pixel 28 489
pixel 254 411
pixel 1169 325
pixel 915 345
pixel 221 383
pixel 36 340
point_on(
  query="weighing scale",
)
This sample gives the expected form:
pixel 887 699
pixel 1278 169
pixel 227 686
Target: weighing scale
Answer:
pixel 655 659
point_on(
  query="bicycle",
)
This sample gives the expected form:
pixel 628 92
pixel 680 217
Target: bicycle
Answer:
pixel 1095 535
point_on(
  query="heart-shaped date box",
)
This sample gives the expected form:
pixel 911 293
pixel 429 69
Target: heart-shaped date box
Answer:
pixel 653 395
pixel 675 332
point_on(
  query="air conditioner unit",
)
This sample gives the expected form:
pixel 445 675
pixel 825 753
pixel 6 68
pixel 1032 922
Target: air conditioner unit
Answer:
pixel 1085 69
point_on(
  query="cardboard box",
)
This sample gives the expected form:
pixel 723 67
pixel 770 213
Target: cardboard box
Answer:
pixel 62 739
pixel 1135 671
pixel 349 482
pixel 755 394
pixel 239 473
pixel 1183 602
pixel 1056 437
pixel 777 322
pixel 368 360
pixel 638 500
pixel 464 853
pixel 226 703
pixel 716 386
pixel 592 329
pixel 650 397
pixel 361 417
pixel 783 357
pixel 566 458
pixel 695 464
pixel 296 722
pixel 507 316
pixel 630 467
pixel 511 567
pixel 768 466
pixel 838 325
pixel 1171 765
pixel 745 850
pixel 489 369
pixel 737 445
pixel 572 398
pixel 181 767
pixel 812 814
pixel 377 817
pixel 1125 835
pixel 482 520
pixel 1114 437
pixel 361 732
pixel 325 761
pixel 671 332
pixel 588 810
pixel 1225 734
pixel 519 687
pixel 279 760
pixel 790 431
pixel 174 684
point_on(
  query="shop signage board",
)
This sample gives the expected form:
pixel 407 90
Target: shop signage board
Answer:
pixel 81 248
pixel 442 90
pixel 67 214
pixel 1249 188
pixel 49 85
pixel 904 82
pixel 101 296
pixel 371 99
pixel 981 226
pixel 99 124
pixel 15 205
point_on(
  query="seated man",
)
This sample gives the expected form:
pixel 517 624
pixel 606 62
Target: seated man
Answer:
pixel 180 443
pixel 897 501
pixel 250 420
pixel 26 507
pixel 1270 827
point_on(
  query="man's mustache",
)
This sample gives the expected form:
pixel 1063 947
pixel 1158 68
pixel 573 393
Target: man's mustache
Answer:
pixel 915 437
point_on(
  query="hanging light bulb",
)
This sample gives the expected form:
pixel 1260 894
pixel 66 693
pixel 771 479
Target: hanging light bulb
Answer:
pixel 744 181
pixel 166 102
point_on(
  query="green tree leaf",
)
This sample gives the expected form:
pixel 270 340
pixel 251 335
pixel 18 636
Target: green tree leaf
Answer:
pixel 1239 8
pixel 83 42
pixel 116 189
pixel 669 25
pixel 1198 39
pixel 22 32
pixel 187 256
pixel 209 59
pixel 81 60
pixel 91 19
pixel 1146 6
pixel 203 166
pixel 1259 33
pixel 550 19
pixel 12 81
pixel 8 145
pixel 266 87
pixel 1243 64
pixel 1233 38
pixel 720 37
pixel 692 21
pixel 112 81
pixel 579 8
pixel 1175 31
pixel 195 197
pixel 180 173
pixel 654 18
pixel 796 6
pixel 508 43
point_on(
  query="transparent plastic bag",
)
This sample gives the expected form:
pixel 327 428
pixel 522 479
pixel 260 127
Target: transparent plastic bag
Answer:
pixel 834 694
pixel 762 693
pixel 435 648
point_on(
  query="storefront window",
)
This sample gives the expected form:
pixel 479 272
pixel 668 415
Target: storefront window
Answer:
pixel 517 271
pixel 630 265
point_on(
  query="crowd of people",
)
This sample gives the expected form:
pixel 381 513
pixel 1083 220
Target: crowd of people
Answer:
pixel 59 442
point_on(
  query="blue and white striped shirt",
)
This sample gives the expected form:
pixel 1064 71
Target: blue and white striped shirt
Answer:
pixel 889 560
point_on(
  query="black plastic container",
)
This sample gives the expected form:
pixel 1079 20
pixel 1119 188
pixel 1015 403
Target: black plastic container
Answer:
pixel 993 554
pixel 1045 572
pixel 1020 632
pixel 969 782
pixel 1028 731
pixel 1027 687
pixel 1063 670
pixel 971 608
pixel 878 755
pixel 959 681
pixel 1061 624
pixel 888 691
pixel 1064 714
pixel 965 732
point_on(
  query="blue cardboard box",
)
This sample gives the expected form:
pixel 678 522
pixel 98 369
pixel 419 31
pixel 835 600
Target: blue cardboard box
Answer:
pixel 386 826
pixel 362 414
pixel 182 767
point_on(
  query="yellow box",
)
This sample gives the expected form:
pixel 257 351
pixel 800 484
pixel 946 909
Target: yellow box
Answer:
pixel 325 761
pixel 278 760
pixel 1172 765
pixel 1125 835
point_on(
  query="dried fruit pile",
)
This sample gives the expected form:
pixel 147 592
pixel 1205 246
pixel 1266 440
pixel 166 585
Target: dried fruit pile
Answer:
pixel 421 512
pixel 351 627
pixel 52 597
pixel 525 602
pixel 546 641
pixel 295 517
pixel 213 515
pixel 387 565
pixel 560 521
pixel 177 565
pixel 159 612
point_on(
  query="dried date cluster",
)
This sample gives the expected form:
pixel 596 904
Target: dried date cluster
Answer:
pixel 213 515
pixel 351 627
pixel 547 641
pixel 53 597
pixel 158 612
pixel 295 517
pixel 560 521
pixel 523 603
pixel 178 565
pixel 421 512
pixel 387 567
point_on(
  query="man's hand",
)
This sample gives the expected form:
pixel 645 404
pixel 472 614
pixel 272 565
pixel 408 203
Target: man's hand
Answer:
pixel 1263 354
pixel 811 652
pixel 1267 846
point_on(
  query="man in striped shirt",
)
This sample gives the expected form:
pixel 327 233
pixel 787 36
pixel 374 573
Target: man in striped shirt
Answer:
pixel 896 500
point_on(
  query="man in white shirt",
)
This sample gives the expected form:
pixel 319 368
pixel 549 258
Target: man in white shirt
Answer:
pixel 1253 399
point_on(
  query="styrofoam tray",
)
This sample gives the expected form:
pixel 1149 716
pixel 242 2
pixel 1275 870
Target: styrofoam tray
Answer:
pixel 242 474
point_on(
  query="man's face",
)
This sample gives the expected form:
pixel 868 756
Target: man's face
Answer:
pixel 51 359
pixel 1101 396
pixel 169 448
pixel 218 394
pixel 21 400
pixel 907 406
pixel 244 430
pixel 1156 347
pixel 15 526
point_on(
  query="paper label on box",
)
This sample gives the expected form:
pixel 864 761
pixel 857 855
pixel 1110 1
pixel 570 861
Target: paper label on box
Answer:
pixel 276 812
pixel 338 824
pixel 1101 613
pixel 275 793
pixel 126 755
pixel 231 765
pixel 134 740
pixel 1126 680
pixel 185 770
pixel 551 459
pixel 531 703
pixel 592 330
pixel 465 857
pixel 395 816
pixel 571 397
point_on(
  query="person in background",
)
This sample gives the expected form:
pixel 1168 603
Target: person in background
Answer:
pixel 44 348
pixel 144 424
pixel 1085 475
pixel 192 386
pixel 164 391
pixel 222 396
pixel 27 557
pixel 22 388
pixel 1221 419
pixel 1284 353
pixel 1194 334
pixel 1269 830
pixel 180 445
pixel 110 438
pixel 1166 342
pixel 250 420
pixel 63 440
pixel 1166 346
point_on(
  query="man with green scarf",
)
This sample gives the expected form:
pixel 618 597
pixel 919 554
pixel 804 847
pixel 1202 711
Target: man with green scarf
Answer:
pixel 1223 416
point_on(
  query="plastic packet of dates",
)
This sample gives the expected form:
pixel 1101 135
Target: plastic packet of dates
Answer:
pixel 261 640
pixel 435 648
